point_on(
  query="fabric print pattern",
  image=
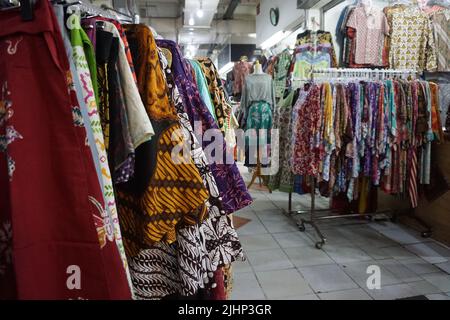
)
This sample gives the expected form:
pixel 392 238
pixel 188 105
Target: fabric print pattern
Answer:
pixel 99 221
pixel 12 46
pixel 77 117
pixel 7 133
pixel 5 246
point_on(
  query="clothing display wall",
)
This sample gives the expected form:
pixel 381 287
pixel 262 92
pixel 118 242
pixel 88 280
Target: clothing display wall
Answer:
pixel 400 36
pixel 350 135
pixel 104 189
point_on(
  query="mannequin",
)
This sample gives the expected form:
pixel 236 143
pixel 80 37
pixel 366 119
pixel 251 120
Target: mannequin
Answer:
pixel 258 68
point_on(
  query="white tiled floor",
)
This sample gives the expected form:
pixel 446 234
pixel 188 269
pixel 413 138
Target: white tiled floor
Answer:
pixel 282 262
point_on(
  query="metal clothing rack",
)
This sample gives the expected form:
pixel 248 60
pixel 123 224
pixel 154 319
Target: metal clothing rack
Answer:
pixel 103 11
pixel 374 74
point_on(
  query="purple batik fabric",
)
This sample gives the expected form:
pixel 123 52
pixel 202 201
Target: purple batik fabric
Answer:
pixel 232 188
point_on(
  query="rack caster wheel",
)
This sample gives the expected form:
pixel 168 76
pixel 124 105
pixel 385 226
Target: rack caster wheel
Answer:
pixel 319 245
pixel 301 227
pixel 426 234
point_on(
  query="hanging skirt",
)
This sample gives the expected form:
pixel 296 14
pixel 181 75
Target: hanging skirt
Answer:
pixel 257 135
pixel 51 229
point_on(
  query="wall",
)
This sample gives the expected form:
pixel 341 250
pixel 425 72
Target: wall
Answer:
pixel 290 16
pixel 437 212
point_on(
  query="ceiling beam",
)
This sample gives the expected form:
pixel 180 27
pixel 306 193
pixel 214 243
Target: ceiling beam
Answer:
pixel 230 10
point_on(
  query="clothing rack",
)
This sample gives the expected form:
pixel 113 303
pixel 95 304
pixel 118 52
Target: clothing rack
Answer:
pixel 330 214
pixel 373 74
pixel 103 11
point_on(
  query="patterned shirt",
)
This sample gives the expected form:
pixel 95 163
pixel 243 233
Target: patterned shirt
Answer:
pixel 281 71
pixel 412 41
pixel 371 26
pixel 240 71
pixel 441 30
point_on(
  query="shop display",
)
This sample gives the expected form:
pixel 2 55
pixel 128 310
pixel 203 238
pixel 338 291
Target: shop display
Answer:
pixel 115 203
pixel 123 153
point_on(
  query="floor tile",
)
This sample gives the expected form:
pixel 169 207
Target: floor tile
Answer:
pixel 345 253
pixel 398 253
pixel 327 278
pixel 439 280
pixel 393 292
pixel 438 296
pixel 376 253
pixel 428 252
pixel 272 259
pixel 423 288
pixel 307 256
pixel 353 294
pixel 358 272
pixel 242 266
pixel 365 236
pixel 302 297
pixel 292 239
pixel 252 227
pixel 280 225
pixel 334 236
pixel 258 242
pixel 383 225
pixel 283 283
pixel 399 270
pixel 445 266
pixel 263 204
pixel 419 266
pixel 248 288
pixel 401 236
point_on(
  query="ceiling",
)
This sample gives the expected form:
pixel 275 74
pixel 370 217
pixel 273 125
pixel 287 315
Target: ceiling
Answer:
pixel 178 20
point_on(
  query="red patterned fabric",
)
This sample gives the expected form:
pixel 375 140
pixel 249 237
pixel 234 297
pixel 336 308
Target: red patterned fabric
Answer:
pixel 306 154
pixel 50 202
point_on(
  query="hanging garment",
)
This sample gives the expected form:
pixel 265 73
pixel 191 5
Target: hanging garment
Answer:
pixel 151 215
pixel 80 45
pixel 412 41
pixel 240 70
pixel 281 71
pixel 216 90
pixel 441 30
pixel 202 86
pixel 59 12
pixel 282 121
pixel 232 188
pixel 320 41
pixel 371 27
pixel 306 155
pixel 64 202
pixel 121 151
pixel 258 136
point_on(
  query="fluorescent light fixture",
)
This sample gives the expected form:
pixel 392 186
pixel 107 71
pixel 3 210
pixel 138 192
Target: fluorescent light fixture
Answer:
pixel 252 35
pixel 226 68
pixel 274 39
pixel 191 21
pixel 200 12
